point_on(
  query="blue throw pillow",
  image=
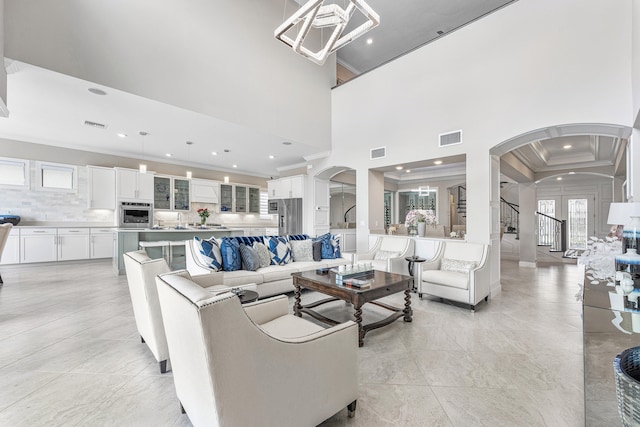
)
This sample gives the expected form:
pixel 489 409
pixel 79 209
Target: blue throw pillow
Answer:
pixel 279 250
pixel 209 253
pixel 247 240
pixel 250 258
pixel 298 236
pixel 327 249
pixel 231 258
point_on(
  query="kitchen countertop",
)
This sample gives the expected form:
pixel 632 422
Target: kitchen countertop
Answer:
pixel 178 230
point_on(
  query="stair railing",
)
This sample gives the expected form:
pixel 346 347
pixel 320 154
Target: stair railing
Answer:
pixel 552 232
pixel 510 217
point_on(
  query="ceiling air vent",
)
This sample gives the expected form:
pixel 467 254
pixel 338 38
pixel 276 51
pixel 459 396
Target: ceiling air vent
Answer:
pixel 451 138
pixel 95 124
pixel 378 153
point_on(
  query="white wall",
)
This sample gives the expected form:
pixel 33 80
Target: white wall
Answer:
pixel 218 58
pixel 497 78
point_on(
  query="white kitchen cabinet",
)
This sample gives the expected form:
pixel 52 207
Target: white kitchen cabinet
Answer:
pixel 101 243
pixel 73 244
pixel 11 253
pixel 204 191
pixel 296 187
pixel 38 245
pixel 102 188
pixel 133 185
pixel 291 187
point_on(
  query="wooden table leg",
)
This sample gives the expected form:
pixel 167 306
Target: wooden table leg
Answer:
pixel 361 332
pixel 407 306
pixel 297 306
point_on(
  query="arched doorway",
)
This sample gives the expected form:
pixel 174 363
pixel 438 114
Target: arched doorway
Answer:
pixel 578 185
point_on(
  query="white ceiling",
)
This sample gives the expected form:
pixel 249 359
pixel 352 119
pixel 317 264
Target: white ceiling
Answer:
pixel 50 108
pixel 406 25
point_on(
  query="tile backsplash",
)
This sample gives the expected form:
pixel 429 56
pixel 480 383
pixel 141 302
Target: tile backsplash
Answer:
pixel 52 206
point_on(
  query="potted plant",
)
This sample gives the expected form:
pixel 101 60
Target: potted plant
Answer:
pixel 204 214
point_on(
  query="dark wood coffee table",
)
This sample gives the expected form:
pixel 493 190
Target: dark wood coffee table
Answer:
pixel 383 284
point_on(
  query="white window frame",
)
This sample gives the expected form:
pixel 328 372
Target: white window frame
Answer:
pixel 264 204
pixel 26 171
pixel 72 169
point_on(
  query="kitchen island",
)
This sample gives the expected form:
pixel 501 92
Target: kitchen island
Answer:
pixel 127 240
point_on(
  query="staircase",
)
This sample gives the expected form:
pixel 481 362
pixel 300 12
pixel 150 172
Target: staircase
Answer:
pixel 551 232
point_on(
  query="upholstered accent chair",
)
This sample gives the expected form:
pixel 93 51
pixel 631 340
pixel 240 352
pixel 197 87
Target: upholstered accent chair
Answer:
pixel 5 229
pixel 389 252
pixel 141 274
pixel 254 364
pixel 458 272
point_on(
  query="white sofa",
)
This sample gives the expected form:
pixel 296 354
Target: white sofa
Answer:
pixel 388 253
pixel 271 280
pixel 255 364
pixel 458 272
pixel 141 274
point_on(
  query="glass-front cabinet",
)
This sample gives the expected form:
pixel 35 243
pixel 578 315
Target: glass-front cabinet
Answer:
pixel 180 194
pixel 254 200
pixel 241 198
pixel 423 199
pixel 226 198
pixel 170 193
pixel 161 192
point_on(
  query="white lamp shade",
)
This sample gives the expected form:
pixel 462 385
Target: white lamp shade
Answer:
pixel 621 213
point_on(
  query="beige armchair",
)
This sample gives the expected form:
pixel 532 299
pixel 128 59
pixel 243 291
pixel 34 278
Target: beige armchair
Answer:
pixel 5 229
pixel 141 274
pixel 255 364
pixel 458 272
pixel 389 253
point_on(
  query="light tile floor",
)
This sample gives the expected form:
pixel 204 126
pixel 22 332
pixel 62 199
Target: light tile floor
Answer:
pixel 70 355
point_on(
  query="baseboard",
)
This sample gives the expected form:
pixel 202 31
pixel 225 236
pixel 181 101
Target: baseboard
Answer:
pixel 527 264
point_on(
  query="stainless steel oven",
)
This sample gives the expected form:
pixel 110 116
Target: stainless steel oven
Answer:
pixel 273 206
pixel 136 215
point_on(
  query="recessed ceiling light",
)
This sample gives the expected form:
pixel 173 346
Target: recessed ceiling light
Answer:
pixel 235 166
pixel 97 91
pixel 369 41
pixel 226 150
pixel 122 135
pixel 399 168
pixel 189 142
pixel 566 147
pixel 559 178
pixel 287 143
pixel 272 156
pixel 169 155
pixel 214 153
pixel 572 173
pixel 144 133
pixel 437 162
pixel 408 170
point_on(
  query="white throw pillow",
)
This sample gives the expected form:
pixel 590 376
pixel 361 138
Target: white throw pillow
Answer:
pixel 302 250
pixel 385 255
pixel 263 254
pixel 457 265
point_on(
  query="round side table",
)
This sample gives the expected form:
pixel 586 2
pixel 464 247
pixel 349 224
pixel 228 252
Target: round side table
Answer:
pixel 246 296
pixel 412 260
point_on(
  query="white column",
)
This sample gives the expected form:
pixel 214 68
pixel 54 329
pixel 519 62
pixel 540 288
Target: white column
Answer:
pixel 483 208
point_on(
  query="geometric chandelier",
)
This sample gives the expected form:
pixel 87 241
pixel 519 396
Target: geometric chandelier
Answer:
pixel 315 14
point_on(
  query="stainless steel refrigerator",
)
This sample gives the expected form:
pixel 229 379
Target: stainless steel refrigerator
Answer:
pixel 289 216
